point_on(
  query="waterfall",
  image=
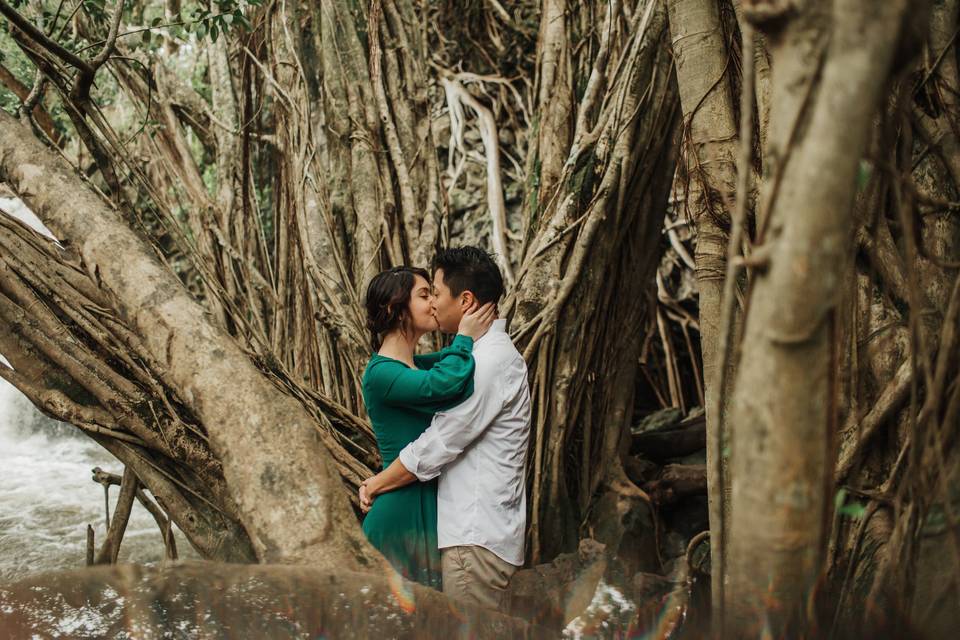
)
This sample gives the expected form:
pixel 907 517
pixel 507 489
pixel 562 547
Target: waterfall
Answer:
pixel 47 497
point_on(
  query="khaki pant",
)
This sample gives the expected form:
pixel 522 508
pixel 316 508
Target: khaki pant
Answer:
pixel 475 575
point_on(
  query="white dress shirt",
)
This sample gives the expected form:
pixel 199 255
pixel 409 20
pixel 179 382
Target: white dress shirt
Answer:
pixel 479 450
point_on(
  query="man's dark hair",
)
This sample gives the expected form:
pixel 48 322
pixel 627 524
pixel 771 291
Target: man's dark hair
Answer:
pixel 470 269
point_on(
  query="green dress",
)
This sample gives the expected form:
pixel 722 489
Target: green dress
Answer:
pixel 401 402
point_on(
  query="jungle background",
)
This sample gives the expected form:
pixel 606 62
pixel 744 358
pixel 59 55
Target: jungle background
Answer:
pixel 729 230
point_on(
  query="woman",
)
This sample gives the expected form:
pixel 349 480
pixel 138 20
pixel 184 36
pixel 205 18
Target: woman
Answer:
pixel 402 392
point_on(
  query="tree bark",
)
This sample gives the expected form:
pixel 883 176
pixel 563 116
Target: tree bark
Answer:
pixel 275 465
pixel 22 91
pixel 118 523
pixel 782 462
pixel 702 59
pixel 590 245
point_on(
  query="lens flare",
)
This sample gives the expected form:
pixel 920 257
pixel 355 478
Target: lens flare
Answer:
pixel 402 591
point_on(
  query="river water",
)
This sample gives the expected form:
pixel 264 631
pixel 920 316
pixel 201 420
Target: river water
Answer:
pixel 47 497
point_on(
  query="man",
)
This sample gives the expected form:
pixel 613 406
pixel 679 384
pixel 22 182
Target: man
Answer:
pixel 477 448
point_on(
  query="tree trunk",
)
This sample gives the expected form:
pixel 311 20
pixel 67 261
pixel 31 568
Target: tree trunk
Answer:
pixel 579 301
pixel 782 458
pixel 709 176
pixel 274 464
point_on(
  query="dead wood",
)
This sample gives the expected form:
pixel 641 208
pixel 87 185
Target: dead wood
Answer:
pixel 110 548
pixel 671 440
pixel 677 481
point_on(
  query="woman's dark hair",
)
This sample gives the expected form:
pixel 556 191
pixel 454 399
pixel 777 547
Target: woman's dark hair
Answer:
pixel 388 296
pixel 470 269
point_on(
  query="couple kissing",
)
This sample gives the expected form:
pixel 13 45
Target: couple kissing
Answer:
pixel 448 510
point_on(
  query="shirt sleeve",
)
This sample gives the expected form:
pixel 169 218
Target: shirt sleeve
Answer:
pixel 453 430
pixel 449 378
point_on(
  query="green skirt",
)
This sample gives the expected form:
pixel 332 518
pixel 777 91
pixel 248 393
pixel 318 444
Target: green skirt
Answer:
pixel 402 525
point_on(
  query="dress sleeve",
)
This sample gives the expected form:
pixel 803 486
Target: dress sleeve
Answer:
pixel 450 377
pixel 428 360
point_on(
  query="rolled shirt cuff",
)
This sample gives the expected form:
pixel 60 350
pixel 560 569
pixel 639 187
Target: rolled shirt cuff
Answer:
pixel 412 464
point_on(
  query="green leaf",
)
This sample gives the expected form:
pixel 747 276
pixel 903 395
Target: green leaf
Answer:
pixel 214 32
pixel 145 36
pixel 156 22
pixel 854 510
pixel 242 19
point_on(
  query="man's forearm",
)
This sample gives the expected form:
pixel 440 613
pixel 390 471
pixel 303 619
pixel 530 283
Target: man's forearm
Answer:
pixel 393 477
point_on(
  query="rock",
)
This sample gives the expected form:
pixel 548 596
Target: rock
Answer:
pixel 698 457
pixel 650 587
pixel 622 518
pixel 668 607
pixel 214 600
pixel 674 545
pixel 640 470
pixel 555 593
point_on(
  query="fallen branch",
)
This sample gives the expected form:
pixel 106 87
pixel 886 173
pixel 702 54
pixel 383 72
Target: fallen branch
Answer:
pixel 671 442
pixel 678 481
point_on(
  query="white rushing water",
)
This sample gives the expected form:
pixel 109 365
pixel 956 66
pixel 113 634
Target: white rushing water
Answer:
pixel 47 497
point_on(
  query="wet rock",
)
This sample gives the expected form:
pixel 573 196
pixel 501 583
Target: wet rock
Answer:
pixel 658 421
pixel 551 595
pixel 650 587
pixel 202 599
pixel 611 614
pixel 698 457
